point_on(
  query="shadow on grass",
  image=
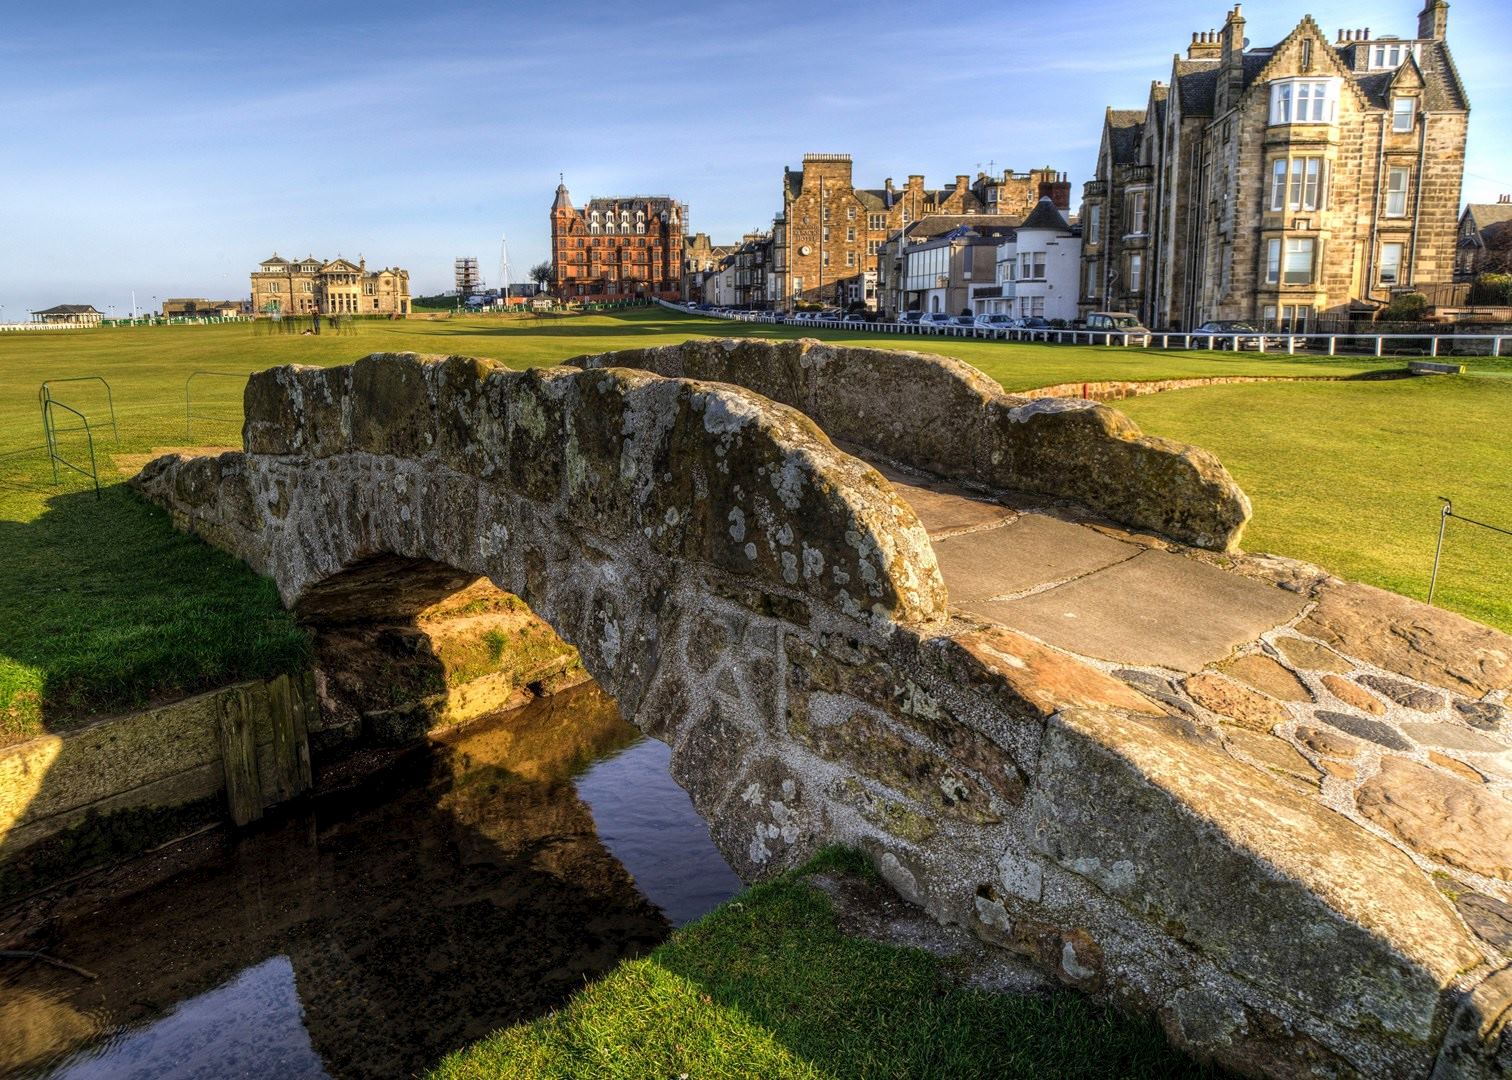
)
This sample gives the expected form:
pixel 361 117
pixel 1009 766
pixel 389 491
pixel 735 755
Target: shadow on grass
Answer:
pixel 768 986
pixel 105 606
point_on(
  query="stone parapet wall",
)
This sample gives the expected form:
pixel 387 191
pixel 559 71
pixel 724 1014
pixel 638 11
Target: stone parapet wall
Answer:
pixel 945 417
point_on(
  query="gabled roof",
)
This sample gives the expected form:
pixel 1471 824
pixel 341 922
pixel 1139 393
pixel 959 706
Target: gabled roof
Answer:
pixel 1484 215
pixel 1196 86
pixel 69 309
pixel 339 263
pixel 274 259
pixel 1125 129
pixel 1045 215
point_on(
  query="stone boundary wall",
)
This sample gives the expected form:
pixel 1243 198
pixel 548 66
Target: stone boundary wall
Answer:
pixel 166 756
pixel 945 417
pixel 999 784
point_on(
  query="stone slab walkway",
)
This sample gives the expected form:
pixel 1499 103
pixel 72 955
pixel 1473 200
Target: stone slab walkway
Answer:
pixel 1389 712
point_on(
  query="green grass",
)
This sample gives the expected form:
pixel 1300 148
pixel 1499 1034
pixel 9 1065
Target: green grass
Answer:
pixel 767 986
pixel 1347 475
pixel 104 608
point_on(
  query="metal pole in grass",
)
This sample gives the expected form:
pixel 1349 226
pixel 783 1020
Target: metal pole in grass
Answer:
pixel 1447 513
pixel 1438 553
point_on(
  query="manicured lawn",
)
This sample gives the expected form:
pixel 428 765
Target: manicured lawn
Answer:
pixel 767 986
pixel 103 607
pixel 1347 475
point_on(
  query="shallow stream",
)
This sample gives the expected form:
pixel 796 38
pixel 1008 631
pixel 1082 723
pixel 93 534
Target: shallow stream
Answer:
pixel 466 886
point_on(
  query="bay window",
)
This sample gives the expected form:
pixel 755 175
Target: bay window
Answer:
pixel 1297 183
pixel 1290 261
pixel 1303 101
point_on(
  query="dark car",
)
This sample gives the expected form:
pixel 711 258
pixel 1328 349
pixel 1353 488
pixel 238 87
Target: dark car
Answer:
pixel 1220 334
pixel 910 318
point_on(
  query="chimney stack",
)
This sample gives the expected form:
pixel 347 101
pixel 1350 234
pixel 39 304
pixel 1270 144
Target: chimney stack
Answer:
pixel 1058 191
pixel 1433 22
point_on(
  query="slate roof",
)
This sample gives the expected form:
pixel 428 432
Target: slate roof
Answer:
pixel 1485 215
pixel 934 225
pixel 1046 216
pixel 69 309
pixel 1125 128
pixel 1196 85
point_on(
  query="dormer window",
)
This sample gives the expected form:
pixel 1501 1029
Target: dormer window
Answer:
pixel 1304 101
pixel 1387 55
pixel 1403 113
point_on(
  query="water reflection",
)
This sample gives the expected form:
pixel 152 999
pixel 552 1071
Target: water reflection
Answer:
pixel 460 889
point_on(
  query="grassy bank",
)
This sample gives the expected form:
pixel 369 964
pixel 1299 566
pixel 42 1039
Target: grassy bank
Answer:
pixel 768 986
pixel 1347 475
pixel 104 607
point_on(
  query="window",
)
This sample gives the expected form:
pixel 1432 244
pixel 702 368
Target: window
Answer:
pixel 1136 272
pixel 1290 261
pixel 850 258
pixel 824 213
pixel 824 234
pixel 1094 223
pixel 1094 281
pixel 1032 266
pixel 1390 55
pixel 872 246
pixel 1297 184
pixel 1032 306
pixel 850 234
pixel 1306 54
pixel 1396 191
pixel 1403 111
pixel 1138 212
pixel 1391 263
pixel 1303 101
pixel 876 222
pixel 826 258
pixel 850 213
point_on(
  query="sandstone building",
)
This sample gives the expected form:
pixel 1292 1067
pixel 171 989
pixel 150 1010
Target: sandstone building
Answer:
pixel 826 239
pixel 620 248
pixel 1283 183
pixel 312 286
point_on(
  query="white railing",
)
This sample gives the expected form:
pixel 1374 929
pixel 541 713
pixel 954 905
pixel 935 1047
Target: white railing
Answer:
pixel 1290 344
pixel 13 327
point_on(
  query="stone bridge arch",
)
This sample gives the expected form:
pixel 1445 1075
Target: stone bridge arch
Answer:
pixel 767 605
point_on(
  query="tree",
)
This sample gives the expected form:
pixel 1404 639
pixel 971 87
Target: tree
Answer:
pixel 540 273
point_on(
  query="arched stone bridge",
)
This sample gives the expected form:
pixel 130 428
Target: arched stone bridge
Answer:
pixel 1196 782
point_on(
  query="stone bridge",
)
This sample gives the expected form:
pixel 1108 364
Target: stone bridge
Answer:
pixel 1017 659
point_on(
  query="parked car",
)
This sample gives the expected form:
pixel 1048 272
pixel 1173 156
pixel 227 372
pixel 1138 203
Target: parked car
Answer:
pixel 997 322
pixel 1122 328
pixel 936 319
pixel 910 318
pixel 1218 330
pixel 853 319
pixel 1035 322
pixel 963 320
pixel 834 314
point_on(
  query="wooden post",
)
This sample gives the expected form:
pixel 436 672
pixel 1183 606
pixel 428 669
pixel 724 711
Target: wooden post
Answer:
pixel 287 704
pixel 238 743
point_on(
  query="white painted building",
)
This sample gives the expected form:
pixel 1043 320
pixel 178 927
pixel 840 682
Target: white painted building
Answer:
pixel 1037 269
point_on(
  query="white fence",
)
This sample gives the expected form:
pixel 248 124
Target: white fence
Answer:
pixel 1289 344
pixel 13 327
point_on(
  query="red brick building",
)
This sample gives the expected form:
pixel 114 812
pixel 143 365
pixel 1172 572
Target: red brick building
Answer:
pixel 617 248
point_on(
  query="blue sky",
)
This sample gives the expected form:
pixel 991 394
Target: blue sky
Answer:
pixel 167 148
